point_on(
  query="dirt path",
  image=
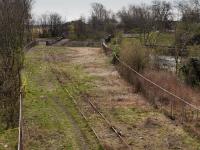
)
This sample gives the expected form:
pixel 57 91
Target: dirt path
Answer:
pixel 80 138
pixel 141 125
pixel 79 135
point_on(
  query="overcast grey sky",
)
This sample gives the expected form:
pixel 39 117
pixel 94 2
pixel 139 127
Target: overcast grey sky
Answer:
pixel 73 9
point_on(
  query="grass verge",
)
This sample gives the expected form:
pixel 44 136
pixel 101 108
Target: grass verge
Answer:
pixel 52 121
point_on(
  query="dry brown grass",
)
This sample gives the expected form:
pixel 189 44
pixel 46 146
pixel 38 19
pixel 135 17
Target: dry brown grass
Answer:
pixel 134 54
pixel 137 58
pixel 171 82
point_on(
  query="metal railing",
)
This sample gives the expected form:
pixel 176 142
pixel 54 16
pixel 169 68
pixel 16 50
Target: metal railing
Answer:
pixel 20 128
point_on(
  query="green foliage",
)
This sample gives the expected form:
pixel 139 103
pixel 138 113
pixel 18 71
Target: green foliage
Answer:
pixel 8 139
pixel 166 39
pixel 116 49
pixel 191 72
pixel 153 38
pixel 115 45
pixel 136 30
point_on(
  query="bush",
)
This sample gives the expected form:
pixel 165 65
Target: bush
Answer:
pixel 134 54
pixel 191 72
pixel 137 57
pixel 116 49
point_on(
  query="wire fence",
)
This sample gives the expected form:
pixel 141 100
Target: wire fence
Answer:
pixel 20 128
pixel 176 107
pixel 20 134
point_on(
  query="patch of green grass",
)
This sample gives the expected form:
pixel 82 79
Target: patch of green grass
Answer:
pixel 8 139
pixel 132 115
pixel 51 118
pixel 160 128
pixel 194 51
pixel 166 39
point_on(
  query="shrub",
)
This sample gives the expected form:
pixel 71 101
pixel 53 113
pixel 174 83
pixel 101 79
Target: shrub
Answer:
pixel 137 57
pixel 115 49
pixel 115 46
pixel 191 72
pixel 134 54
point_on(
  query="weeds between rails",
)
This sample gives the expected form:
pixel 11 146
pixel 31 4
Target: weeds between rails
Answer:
pixel 93 106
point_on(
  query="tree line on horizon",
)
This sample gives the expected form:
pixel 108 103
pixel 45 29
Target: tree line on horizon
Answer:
pixel 144 18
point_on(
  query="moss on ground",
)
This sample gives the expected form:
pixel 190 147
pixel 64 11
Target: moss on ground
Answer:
pixel 8 139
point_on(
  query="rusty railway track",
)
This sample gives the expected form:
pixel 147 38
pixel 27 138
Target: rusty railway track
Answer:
pixel 94 107
pixel 109 124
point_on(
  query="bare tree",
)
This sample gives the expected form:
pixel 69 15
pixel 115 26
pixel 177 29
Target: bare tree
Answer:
pixel 43 22
pixel 101 20
pixel 51 25
pixel 14 18
pixel 162 12
pixel 55 24
pixel 128 18
pixel 98 16
pixel 80 28
pixel 190 10
pixel 99 12
pixel 139 18
pixel 188 28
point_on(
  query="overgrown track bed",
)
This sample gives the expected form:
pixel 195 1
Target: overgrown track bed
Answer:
pixel 140 125
pixel 86 73
pixel 51 121
pixel 58 73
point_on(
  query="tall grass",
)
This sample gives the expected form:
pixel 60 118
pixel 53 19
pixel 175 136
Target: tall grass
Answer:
pixel 170 82
pixel 134 54
pixel 138 58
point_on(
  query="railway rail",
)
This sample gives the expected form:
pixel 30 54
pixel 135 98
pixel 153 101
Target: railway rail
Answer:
pixel 94 107
pixel 186 106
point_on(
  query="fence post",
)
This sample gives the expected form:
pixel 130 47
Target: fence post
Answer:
pixel 187 109
pixel 20 139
